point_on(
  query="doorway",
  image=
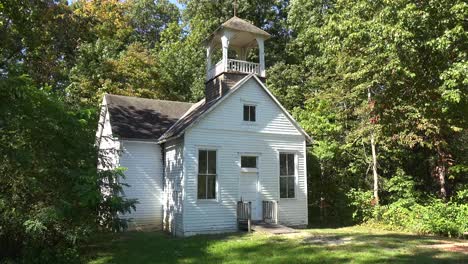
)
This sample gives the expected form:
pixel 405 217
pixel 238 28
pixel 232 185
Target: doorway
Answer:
pixel 248 184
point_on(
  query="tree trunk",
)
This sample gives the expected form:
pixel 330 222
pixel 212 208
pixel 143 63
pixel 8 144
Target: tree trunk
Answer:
pixel 374 170
pixel 440 171
pixel 374 159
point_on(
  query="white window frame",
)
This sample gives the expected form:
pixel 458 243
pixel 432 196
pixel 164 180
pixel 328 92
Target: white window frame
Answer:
pixel 216 175
pixel 296 171
pixel 256 155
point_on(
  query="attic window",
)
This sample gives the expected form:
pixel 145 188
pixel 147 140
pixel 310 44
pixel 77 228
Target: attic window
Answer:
pixel 249 113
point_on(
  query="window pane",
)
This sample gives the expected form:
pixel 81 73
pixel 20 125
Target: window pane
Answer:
pixel 290 187
pixel 202 161
pixel 201 187
pixel 291 164
pixel 283 170
pixel 246 113
pixel 211 191
pixel 212 162
pixel 283 187
pixel 252 113
pixel 248 162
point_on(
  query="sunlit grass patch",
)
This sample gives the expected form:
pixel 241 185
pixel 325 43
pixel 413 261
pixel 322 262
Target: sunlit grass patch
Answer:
pixel 360 245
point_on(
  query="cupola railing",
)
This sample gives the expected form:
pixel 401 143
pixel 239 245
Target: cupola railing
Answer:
pixel 238 66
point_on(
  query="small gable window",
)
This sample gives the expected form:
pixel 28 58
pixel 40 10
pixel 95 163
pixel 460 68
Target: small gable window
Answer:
pixel 249 113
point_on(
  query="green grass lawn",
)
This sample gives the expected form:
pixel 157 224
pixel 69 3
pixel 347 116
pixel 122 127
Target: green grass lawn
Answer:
pixel 351 244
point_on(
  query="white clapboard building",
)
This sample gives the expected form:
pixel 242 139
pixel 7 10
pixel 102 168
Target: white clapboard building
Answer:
pixel 191 165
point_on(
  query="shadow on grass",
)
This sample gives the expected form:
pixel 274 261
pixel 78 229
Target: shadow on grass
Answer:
pixel 157 247
pixel 153 247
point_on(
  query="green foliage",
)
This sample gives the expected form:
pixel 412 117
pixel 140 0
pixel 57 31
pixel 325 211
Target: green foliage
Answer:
pixel 401 186
pixel 39 38
pixel 120 58
pixel 433 217
pixel 133 72
pixel 328 204
pixel 150 18
pixel 182 62
pixel 57 60
pixel 362 204
pixel 407 210
pixel 50 189
pixel 286 83
pixel 411 58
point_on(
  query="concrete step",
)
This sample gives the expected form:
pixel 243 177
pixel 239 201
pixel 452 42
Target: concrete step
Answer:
pixel 275 229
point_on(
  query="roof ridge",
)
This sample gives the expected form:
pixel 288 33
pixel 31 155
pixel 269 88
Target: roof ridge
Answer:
pixel 252 27
pixel 151 99
pixel 167 135
pixel 194 107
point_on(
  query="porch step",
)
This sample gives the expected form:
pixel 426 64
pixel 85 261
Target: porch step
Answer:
pixel 275 229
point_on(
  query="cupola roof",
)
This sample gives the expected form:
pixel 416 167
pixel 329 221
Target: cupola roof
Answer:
pixel 240 26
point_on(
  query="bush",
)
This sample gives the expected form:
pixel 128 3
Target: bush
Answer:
pixel 362 203
pixel 50 188
pixel 436 217
pixel 408 211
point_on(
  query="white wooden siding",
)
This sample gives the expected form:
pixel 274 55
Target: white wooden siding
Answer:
pixel 109 146
pixel 173 186
pixel 144 175
pixel 225 130
pixel 229 114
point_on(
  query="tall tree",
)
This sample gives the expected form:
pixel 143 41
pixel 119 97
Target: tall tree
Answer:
pixel 149 18
pixel 39 38
pixel 410 55
pixel 50 189
pixel 122 56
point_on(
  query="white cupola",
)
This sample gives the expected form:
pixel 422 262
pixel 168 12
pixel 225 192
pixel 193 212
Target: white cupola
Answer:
pixel 240 36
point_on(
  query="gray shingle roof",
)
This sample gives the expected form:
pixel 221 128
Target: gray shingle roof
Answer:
pixel 199 109
pixel 239 24
pixel 242 25
pixel 141 118
pixel 160 120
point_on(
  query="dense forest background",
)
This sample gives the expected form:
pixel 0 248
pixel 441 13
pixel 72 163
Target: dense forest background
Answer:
pixel 394 73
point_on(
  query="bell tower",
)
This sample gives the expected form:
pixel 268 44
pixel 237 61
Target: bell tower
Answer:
pixel 239 36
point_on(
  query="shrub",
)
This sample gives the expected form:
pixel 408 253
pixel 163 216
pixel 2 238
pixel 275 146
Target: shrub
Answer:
pixel 362 204
pixel 408 211
pixel 435 217
pixel 50 188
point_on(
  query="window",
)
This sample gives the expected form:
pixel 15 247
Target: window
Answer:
pixel 287 175
pixel 249 113
pixel 206 174
pixel 249 162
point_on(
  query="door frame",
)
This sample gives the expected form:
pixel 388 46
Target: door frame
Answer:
pixel 257 215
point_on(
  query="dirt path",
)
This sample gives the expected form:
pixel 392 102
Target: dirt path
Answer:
pixel 460 247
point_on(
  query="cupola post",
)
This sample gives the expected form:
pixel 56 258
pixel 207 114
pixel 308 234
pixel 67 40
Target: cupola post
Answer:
pixel 225 48
pixel 209 53
pixel 261 56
